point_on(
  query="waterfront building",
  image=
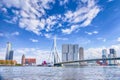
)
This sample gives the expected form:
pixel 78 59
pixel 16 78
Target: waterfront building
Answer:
pixel 9 52
pixel 11 55
pixel 23 60
pixel 75 51
pixel 28 61
pixel 104 56
pixel 69 52
pixel 8 62
pixel 112 55
pixel 65 51
pixel 104 53
pixel 81 53
pixel 109 56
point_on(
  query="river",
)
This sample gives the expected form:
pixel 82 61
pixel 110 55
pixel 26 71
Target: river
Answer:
pixel 60 73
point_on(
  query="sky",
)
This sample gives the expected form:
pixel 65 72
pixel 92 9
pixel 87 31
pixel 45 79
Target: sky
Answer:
pixel 30 26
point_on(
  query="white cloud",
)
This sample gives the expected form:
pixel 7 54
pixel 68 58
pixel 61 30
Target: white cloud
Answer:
pixel 12 21
pixel 110 0
pixel 2 53
pixel 15 33
pixel 68 31
pixel 63 2
pixel 118 39
pixel 32 15
pixel 82 41
pixel 34 40
pixel 95 32
pixel 59 38
pixel 90 12
pixel 1 34
pixel 93 53
pixel 102 39
pixel 91 33
pixel 4 10
pixel 48 35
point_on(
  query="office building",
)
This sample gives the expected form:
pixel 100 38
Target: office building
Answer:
pixel 65 51
pixel 9 52
pixel 112 55
pixel 81 53
pixel 8 62
pixel 104 56
pixel 11 55
pixel 104 53
pixel 28 61
pixel 75 51
pixel 69 52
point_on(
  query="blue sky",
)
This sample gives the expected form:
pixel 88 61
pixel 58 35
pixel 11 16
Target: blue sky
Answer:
pixel 32 24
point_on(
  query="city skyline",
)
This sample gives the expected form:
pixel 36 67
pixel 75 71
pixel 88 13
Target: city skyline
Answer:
pixel 93 24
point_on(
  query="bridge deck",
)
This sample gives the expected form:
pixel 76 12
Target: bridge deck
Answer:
pixel 118 58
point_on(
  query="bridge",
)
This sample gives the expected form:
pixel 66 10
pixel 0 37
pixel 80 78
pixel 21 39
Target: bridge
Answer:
pixel 87 60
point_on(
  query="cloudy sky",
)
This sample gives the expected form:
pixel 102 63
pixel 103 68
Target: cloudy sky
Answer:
pixel 30 26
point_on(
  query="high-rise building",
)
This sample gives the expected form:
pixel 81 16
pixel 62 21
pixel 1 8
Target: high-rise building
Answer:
pixel 109 56
pixel 104 53
pixel 69 52
pixel 112 55
pixel 9 52
pixel 11 55
pixel 81 53
pixel 104 56
pixel 75 51
pixel 65 51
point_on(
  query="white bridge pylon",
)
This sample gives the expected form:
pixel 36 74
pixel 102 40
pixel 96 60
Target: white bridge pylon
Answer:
pixel 54 57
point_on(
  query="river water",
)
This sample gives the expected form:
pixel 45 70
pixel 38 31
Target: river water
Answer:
pixel 60 73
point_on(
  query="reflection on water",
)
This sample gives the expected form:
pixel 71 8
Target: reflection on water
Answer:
pixel 59 73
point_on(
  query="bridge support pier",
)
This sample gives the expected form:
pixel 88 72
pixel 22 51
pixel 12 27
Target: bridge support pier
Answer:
pixel 57 65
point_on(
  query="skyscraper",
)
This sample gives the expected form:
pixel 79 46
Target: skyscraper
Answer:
pixel 9 47
pixel 104 53
pixel 75 51
pixel 104 56
pixel 81 53
pixel 65 51
pixel 113 55
pixel 109 56
pixel 11 55
pixel 69 52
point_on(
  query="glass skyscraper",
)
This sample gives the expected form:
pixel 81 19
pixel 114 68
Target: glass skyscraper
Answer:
pixel 11 55
pixel 9 52
pixel 104 56
pixel 112 55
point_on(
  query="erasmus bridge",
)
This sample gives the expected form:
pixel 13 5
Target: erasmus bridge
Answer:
pixel 86 60
pixel 56 59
